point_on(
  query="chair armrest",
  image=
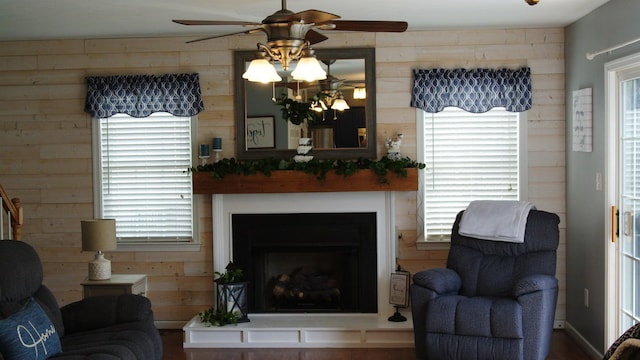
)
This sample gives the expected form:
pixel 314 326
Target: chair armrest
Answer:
pixel 102 311
pixel 534 283
pixel 438 280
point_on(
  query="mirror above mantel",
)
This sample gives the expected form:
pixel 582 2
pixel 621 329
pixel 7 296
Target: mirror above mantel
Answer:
pixel 261 131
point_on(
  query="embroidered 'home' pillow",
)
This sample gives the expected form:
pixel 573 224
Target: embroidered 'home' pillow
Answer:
pixel 28 334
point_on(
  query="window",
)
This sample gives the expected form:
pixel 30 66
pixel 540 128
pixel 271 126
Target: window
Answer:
pixel 141 179
pixel 469 157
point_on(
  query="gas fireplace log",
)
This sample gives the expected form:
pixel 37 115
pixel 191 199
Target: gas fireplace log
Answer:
pixel 300 286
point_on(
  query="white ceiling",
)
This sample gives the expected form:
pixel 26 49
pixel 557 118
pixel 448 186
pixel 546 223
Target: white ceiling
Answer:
pixel 64 19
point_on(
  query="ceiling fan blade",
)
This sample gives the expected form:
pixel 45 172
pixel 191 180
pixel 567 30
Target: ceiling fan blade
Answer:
pixel 314 37
pixel 313 16
pixel 296 85
pixel 251 31
pixel 214 22
pixel 366 25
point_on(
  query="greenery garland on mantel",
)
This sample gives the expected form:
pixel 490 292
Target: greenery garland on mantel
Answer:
pixel 319 168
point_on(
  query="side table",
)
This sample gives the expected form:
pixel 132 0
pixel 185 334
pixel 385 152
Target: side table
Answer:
pixel 118 284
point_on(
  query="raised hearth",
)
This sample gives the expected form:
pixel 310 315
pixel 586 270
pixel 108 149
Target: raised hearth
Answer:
pixel 303 331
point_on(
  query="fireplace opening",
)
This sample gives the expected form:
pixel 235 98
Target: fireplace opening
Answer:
pixel 311 262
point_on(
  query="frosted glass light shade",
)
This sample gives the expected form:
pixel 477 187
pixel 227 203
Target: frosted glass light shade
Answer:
pixel 340 104
pixel 261 70
pixel 359 93
pixel 319 106
pixel 308 69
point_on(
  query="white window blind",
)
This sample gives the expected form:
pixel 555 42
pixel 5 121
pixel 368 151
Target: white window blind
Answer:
pixel 469 157
pixel 143 184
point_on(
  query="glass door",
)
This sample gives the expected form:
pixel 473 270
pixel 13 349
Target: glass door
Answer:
pixel 629 200
pixel 622 260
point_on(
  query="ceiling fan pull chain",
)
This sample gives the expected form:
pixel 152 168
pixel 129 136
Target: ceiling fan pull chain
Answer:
pixel 273 91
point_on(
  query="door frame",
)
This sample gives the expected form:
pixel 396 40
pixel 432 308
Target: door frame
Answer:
pixel 612 70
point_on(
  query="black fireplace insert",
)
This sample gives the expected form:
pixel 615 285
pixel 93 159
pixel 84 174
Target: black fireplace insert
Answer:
pixel 310 262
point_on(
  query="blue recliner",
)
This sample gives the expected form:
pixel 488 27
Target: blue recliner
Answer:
pixel 494 300
pixel 32 326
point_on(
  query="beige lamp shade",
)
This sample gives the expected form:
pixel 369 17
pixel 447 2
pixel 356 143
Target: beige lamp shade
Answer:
pixel 98 234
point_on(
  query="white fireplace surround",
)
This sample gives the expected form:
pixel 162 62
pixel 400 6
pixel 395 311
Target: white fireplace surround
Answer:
pixel 307 330
pixel 382 203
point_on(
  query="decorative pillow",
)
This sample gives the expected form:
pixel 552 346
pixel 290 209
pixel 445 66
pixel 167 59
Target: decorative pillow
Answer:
pixel 28 334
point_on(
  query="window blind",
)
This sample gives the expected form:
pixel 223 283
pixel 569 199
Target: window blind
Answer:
pixel 469 157
pixel 143 181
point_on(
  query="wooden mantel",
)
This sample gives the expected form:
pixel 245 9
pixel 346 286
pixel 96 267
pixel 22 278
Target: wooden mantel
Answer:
pixel 291 181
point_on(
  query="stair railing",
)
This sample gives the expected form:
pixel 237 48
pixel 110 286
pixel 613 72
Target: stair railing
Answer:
pixel 11 217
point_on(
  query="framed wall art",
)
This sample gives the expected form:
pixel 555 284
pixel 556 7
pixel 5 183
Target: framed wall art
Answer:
pixel 261 133
pixel 582 125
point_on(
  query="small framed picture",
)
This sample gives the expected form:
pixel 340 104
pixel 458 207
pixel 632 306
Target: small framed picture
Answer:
pixel 261 133
pixel 582 120
pixel 399 289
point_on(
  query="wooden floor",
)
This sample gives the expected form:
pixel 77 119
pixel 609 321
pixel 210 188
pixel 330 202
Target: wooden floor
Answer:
pixel 563 347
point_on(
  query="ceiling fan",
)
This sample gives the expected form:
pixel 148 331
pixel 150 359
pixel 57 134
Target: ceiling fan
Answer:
pixel 290 36
pixel 284 25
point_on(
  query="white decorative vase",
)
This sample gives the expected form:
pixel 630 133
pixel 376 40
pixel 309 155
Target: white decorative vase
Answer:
pixel 304 146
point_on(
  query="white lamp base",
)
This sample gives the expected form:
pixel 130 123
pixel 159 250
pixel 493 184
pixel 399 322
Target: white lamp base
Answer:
pixel 100 268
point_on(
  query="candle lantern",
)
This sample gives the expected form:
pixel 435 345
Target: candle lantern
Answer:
pixel 217 143
pixel 203 153
pixel 231 293
pixel 232 298
pixel 217 148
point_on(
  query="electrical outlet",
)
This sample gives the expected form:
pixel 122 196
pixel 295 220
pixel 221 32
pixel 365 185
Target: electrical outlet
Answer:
pixel 598 181
pixel 586 297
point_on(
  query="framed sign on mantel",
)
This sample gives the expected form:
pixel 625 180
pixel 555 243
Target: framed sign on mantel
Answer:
pixel 261 132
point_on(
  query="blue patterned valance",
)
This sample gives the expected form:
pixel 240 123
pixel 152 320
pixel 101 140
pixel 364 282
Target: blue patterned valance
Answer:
pixel 476 91
pixel 142 95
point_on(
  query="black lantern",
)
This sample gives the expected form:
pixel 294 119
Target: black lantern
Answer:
pixel 231 294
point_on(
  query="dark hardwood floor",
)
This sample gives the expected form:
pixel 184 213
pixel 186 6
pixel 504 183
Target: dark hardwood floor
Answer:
pixel 563 347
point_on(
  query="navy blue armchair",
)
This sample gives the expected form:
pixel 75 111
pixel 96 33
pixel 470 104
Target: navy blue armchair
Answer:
pixel 494 300
pixel 97 328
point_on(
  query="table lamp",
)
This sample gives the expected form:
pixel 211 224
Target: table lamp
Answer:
pixel 99 235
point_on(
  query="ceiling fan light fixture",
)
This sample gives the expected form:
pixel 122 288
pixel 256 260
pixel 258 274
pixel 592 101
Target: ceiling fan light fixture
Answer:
pixel 261 70
pixel 319 106
pixel 531 2
pixel 359 93
pixel 308 68
pixel 340 104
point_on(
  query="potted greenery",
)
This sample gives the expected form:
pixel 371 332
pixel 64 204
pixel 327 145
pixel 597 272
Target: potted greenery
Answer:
pixel 298 112
pixel 231 299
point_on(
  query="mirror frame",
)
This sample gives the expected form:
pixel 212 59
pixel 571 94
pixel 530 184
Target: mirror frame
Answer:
pixel 241 57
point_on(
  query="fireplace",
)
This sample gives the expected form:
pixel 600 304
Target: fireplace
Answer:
pixel 378 204
pixel 308 262
pixel 327 325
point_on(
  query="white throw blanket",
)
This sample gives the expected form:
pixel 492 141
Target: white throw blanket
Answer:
pixel 496 220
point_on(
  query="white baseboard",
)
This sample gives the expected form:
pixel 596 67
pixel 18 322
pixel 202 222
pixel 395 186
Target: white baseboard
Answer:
pixel 584 344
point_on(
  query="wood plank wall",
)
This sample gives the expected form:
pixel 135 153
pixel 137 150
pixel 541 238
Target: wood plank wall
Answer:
pixel 45 138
